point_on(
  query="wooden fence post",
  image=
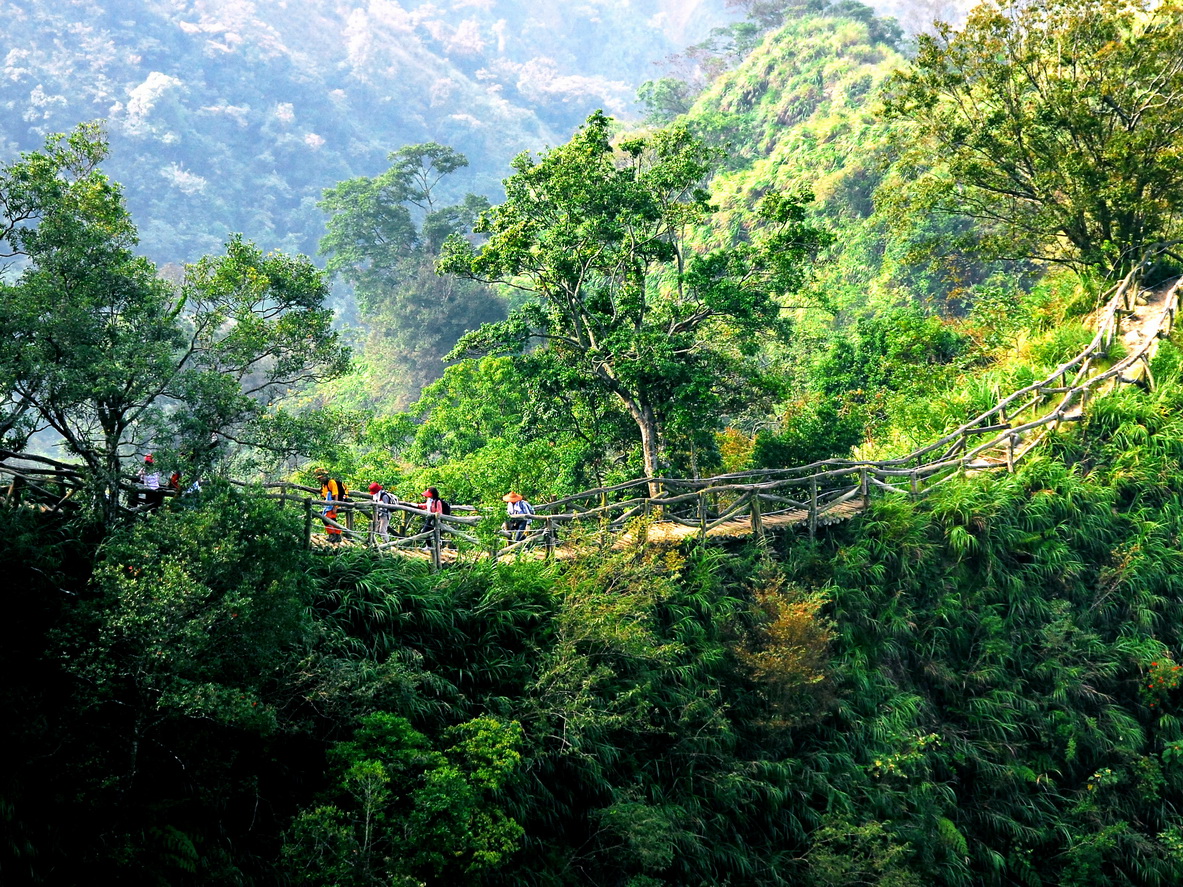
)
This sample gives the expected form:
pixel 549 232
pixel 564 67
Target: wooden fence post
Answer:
pixel 550 538
pixel 864 487
pixel 1010 453
pixel 702 516
pixel 812 506
pixel 308 522
pixel 436 559
pixel 757 520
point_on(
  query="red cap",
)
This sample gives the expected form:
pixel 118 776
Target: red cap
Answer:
pixel 149 458
pixel 375 487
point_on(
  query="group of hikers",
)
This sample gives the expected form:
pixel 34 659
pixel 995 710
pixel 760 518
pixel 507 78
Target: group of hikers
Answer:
pixel 334 493
pixel 151 488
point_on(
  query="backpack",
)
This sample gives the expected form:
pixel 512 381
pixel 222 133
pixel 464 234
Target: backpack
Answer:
pixel 445 508
pixel 385 498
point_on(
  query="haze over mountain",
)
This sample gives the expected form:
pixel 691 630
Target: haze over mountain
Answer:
pixel 231 115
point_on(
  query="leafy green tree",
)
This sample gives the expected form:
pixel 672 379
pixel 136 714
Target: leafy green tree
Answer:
pixel 115 359
pixel 502 423
pixel 767 13
pixel 383 236
pixel 172 657
pixel 810 431
pixel 407 813
pixel 598 235
pixel 1056 124
pixel 666 98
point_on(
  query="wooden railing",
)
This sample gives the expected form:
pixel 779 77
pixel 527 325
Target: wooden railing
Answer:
pixel 746 502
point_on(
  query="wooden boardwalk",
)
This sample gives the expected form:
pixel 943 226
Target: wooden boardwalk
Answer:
pixel 1131 322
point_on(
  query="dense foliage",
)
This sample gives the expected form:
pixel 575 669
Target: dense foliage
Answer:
pixel 983 686
pixel 1054 123
pixel 117 361
pixel 978 689
pixel 384 235
pixel 597 235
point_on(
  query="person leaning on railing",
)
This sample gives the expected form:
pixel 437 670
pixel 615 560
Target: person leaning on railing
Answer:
pixel 150 489
pixel 382 498
pixel 433 505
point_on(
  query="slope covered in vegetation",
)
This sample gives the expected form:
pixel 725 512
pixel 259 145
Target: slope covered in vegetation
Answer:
pixel 232 117
pixel 979 687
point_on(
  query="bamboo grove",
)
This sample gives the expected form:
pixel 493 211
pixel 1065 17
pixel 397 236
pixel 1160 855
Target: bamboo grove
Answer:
pixel 979 688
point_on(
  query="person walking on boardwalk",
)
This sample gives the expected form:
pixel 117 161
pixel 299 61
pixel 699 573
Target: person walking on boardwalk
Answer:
pixel 517 511
pixel 435 506
pixel 149 477
pixel 382 498
pixel 334 493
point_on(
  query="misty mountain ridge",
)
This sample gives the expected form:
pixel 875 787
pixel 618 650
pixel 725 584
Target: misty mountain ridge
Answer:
pixel 228 115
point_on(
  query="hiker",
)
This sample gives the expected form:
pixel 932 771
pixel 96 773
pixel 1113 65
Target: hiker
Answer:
pixel 517 510
pixel 149 477
pixel 433 505
pixel 382 498
pixel 334 493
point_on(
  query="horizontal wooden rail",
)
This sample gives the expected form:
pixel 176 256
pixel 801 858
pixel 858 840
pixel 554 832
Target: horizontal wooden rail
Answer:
pixel 806 495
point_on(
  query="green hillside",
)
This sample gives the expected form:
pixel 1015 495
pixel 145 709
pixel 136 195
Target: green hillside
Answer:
pixel 975 681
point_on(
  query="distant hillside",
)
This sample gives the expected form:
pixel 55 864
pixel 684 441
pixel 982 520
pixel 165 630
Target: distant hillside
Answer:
pixel 230 115
pixel 804 111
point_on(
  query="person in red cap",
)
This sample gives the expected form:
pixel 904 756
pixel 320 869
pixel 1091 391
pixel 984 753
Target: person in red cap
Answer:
pixel 382 498
pixel 433 505
pixel 150 481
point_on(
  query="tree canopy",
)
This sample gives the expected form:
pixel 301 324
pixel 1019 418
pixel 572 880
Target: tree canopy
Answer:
pixel 600 235
pixel 384 233
pixel 1056 123
pixel 115 359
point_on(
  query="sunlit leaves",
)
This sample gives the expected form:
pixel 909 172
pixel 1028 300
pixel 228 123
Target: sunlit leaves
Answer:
pixel 1056 122
pixel 600 235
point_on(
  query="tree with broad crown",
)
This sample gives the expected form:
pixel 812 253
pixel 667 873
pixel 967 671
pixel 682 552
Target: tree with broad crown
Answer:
pixel 598 234
pixel 384 233
pixel 115 359
pixel 1056 123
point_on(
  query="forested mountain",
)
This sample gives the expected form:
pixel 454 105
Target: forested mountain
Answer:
pixel 232 116
pixel 824 252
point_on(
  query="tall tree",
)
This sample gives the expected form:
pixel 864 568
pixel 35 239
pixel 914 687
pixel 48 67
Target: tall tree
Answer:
pixel 114 358
pixel 599 235
pixel 383 236
pixel 1055 122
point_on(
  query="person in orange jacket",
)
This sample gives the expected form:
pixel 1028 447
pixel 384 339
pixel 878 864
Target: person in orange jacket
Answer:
pixel 334 493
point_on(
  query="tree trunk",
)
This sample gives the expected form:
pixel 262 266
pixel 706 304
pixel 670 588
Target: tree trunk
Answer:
pixel 646 419
pixel 650 447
